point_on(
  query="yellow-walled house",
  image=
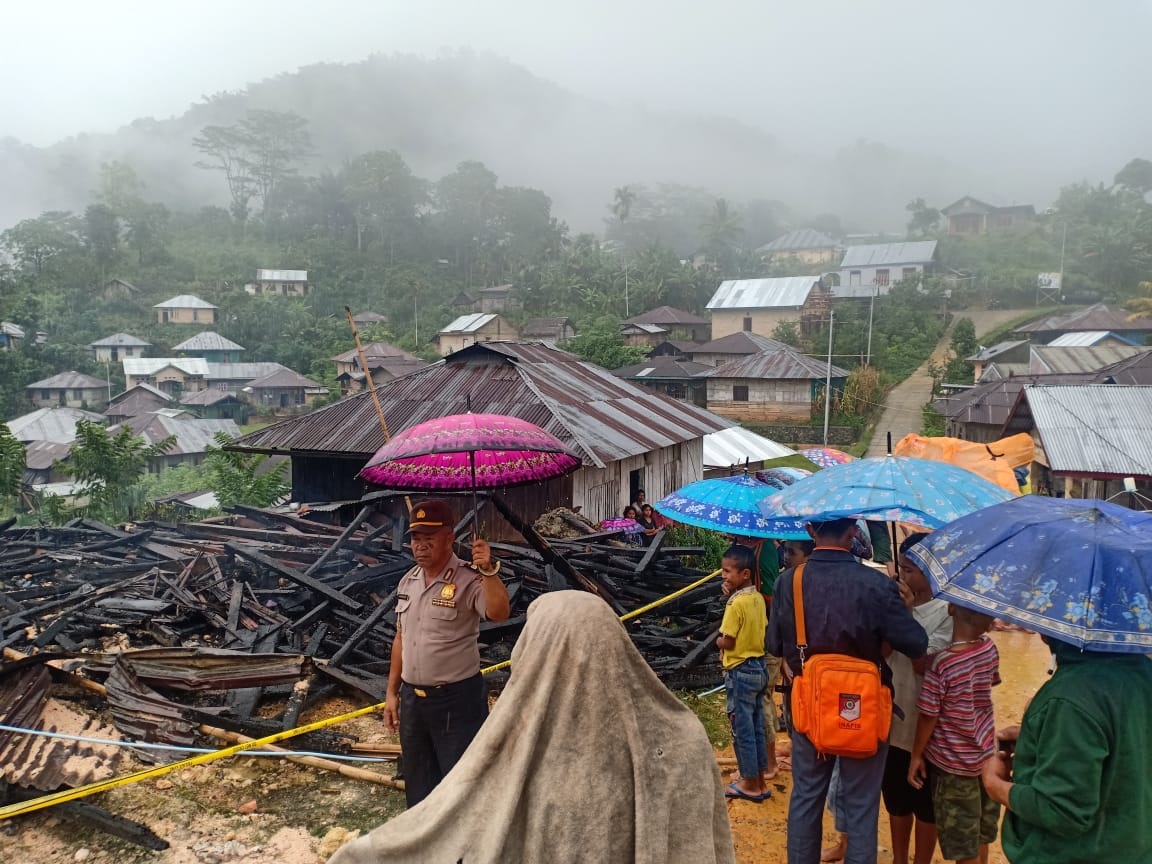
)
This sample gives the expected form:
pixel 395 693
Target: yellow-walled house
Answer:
pixel 761 305
pixel 186 309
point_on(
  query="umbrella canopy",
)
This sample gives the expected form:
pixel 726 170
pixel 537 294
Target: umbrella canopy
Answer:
pixel 620 523
pixel 1077 570
pixel 729 504
pixel 887 489
pixel 781 478
pixel 469 451
pixel 826 457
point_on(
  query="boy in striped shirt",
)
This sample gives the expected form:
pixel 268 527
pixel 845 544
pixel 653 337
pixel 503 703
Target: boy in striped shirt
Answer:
pixel 956 735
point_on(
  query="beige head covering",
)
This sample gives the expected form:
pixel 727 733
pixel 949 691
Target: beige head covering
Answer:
pixel 586 757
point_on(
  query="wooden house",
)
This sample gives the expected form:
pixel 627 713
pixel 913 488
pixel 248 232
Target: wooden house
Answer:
pixel 284 390
pixel 213 404
pixel 671 323
pixel 679 378
pixel 136 400
pixel 556 330
pixel 69 390
pixel 186 309
pixel 497 298
pixel 279 283
pixel 173 375
pixel 233 376
pixel 471 330
pixel 778 386
pixel 114 348
pixel 735 346
pixel 210 346
pixel 626 437
pixel 971 217
pixel 11 335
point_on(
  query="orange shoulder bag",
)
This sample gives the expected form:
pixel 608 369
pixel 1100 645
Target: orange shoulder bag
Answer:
pixel 838 701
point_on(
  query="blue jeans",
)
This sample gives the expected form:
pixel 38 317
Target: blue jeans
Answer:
pixel 744 687
pixel 858 799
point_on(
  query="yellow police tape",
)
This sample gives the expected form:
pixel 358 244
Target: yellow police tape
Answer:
pixel 50 800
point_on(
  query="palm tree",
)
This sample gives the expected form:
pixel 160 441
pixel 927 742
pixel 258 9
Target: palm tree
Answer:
pixel 722 234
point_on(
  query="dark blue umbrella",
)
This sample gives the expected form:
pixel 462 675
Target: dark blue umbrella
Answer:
pixel 1077 570
pixel 730 505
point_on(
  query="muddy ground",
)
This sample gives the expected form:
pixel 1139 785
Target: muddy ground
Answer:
pixel 268 809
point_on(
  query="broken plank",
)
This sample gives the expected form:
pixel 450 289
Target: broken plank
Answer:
pixel 296 576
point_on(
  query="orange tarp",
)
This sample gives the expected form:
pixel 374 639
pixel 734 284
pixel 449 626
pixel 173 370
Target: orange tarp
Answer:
pixel 993 461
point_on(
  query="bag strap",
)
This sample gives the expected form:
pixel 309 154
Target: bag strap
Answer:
pixel 798 608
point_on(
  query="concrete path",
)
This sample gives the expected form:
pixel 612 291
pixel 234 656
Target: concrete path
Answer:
pixel 902 413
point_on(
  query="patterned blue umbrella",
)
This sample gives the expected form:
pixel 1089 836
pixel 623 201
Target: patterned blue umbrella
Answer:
pixel 887 489
pixel 1077 570
pixel 729 504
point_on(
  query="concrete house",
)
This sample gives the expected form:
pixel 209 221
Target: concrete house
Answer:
pixel 761 305
pixel 970 217
pixel 186 309
pixel 233 376
pixel 805 246
pixel 171 375
pixel 114 348
pixel 872 269
pixel 625 436
pixel 473 329
pixel 210 346
pixel 69 390
pixel 284 390
pixel 279 283
pixel 780 386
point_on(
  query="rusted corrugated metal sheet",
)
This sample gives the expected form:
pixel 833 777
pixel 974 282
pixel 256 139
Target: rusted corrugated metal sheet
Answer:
pixel 776 366
pixel 603 418
pixel 201 669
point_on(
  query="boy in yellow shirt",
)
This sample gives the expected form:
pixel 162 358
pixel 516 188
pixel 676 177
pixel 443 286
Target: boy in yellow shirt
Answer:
pixel 741 644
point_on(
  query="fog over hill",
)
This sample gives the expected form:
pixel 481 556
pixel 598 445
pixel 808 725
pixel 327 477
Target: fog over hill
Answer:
pixel 438 112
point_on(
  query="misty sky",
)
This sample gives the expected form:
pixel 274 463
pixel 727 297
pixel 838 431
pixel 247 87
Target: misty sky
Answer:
pixel 998 84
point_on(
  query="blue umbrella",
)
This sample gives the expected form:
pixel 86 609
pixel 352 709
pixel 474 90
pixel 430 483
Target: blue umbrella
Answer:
pixel 1077 570
pixel 887 489
pixel 729 504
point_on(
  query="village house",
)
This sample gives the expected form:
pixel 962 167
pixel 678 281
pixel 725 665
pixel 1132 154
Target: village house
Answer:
pixel 871 270
pixel 172 375
pixel 471 330
pixel 186 309
pixel 672 323
pixel 57 425
pixel 762 305
pixel 369 319
pixel 136 400
pixel 114 348
pixel 233 376
pixel 1091 439
pixel 1050 360
pixel 778 386
pixel 803 246
pixel 69 390
pixel 42 462
pixel 11 335
pixel 734 346
pixel 118 289
pixel 279 283
pixel 1096 318
pixel 672 376
pixel 1010 351
pixel 192 436
pixel 284 390
pixel 349 361
pixel 213 404
pixel 210 346
pixel 497 298
pixel 979 413
pixel 679 348
pixel 556 330
pixel 970 217
pixel 626 437
pixel 643 335
pixel 385 362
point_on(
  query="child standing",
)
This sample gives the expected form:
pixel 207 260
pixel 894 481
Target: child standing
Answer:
pixel 741 644
pixel 955 736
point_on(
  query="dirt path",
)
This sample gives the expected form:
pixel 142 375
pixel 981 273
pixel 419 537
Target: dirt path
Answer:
pixel 902 407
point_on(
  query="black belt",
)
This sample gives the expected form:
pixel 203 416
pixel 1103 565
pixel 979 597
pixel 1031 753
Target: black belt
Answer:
pixel 423 690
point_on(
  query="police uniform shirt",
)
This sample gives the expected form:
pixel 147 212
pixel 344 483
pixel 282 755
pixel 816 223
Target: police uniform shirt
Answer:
pixel 440 624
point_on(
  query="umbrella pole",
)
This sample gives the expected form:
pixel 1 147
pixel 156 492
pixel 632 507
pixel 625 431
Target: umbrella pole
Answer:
pixel 892 528
pixel 475 505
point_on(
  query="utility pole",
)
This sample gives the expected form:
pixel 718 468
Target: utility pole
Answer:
pixel 627 314
pixel 871 309
pixel 416 317
pixel 828 380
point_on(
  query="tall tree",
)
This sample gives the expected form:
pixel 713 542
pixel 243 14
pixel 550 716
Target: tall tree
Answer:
pixel 1136 175
pixel 722 233
pixel 385 196
pixel 35 242
pixel 273 143
pixel 102 236
pixel 226 147
pixel 924 219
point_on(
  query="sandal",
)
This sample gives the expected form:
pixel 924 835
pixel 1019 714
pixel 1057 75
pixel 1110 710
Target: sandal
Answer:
pixel 734 791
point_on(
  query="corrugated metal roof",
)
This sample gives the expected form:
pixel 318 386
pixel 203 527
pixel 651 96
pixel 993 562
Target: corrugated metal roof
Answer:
pixel 1094 428
pixel 137 366
pixel 1063 360
pixel 470 323
pixel 1097 317
pixel 241 371
pixel 369 317
pixel 282 275
pixel 785 292
pixel 211 396
pixel 990 403
pixel 192 435
pixel 1134 370
pixel 50 424
pixel 184 301
pixel 374 349
pixel 667 315
pixel 995 350
pixel 650 329
pixel 143 388
pixel 999 369
pixel 776 366
pixel 800 240
pixel 738 445
pixel 882 254
pixel 42 455
pixel 662 368
pixel 69 381
pixel 208 341
pixel 1086 338
pixel 739 343
pixel 10 329
pixel 601 417
pixel 120 340
pixel 282 378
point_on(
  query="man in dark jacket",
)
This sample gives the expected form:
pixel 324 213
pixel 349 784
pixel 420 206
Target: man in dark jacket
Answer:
pixel 849 609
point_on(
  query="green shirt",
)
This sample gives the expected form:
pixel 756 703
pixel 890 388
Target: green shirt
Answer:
pixel 768 561
pixel 1083 762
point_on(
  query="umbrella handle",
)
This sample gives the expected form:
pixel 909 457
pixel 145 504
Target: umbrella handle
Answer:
pixel 475 497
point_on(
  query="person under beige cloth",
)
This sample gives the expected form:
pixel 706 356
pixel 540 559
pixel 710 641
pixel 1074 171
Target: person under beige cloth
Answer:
pixel 586 756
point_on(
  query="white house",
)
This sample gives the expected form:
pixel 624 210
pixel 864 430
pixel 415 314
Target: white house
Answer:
pixel 877 266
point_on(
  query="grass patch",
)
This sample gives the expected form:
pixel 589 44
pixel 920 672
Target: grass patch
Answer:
pixel 710 710
pixel 997 335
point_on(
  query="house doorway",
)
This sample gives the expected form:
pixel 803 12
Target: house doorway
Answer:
pixel 635 483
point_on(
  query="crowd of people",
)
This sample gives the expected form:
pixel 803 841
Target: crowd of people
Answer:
pixel 499 787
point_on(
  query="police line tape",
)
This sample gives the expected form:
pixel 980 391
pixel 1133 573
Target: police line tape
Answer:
pixel 54 798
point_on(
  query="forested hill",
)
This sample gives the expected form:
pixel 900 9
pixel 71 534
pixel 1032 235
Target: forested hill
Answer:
pixel 439 112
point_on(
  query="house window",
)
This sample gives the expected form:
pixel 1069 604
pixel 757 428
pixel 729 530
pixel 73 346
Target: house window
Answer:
pixel 45 394
pixel 748 324
pixel 739 392
pixel 195 314
pixel 881 277
pixel 908 273
pixel 78 395
pixel 853 277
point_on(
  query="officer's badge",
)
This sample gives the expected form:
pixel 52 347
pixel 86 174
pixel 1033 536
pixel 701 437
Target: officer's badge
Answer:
pixel 448 591
pixel 419 514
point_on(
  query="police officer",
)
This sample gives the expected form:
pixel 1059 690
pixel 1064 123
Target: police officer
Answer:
pixel 436 695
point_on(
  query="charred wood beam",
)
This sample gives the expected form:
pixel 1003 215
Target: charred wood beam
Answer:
pixel 302 579
pixel 364 629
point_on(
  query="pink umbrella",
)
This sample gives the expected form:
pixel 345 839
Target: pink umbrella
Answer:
pixel 826 457
pixel 469 451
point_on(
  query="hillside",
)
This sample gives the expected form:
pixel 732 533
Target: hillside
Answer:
pixel 439 112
